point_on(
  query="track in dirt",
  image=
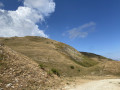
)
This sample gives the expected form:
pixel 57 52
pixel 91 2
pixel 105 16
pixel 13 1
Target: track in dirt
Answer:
pixel 106 84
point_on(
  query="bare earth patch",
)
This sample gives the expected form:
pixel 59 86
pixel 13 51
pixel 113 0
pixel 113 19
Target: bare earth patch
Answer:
pixel 106 84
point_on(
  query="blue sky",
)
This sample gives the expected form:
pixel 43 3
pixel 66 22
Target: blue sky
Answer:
pixel 87 25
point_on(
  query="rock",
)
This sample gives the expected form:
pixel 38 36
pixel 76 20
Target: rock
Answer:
pixel 1 44
pixel 16 80
pixel 12 86
pixel 9 85
pixel 1 89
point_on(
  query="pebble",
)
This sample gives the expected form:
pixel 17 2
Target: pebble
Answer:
pixel 1 89
pixel 16 80
pixel 9 85
pixel 12 86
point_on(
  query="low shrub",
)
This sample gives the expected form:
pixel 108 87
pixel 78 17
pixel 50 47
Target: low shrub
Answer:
pixel 1 57
pixel 55 71
pixel 78 70
pixel 50 72
pixel 47 42
pixel 72 67
pixel 42 66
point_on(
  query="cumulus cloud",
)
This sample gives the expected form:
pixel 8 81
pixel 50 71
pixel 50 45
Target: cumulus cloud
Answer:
pixel 1 4
pixel 45 7
pixel 81 31
pixel 22 22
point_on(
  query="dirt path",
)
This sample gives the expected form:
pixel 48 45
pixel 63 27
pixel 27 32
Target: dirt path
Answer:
pixel 107 84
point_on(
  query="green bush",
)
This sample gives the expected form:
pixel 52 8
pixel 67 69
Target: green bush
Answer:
pixel 55 71
pixel 50 72
pixel 1 57
pixel 72 67
pixel 78 70
pixel 42 66
pixel 6 39
pixel 47 42
pixel 0 81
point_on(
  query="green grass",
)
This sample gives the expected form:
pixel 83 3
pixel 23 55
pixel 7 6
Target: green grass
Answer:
pixel 78 70
pixel 87 62
pixel 1 81
pixel 42 66
pixel 1 57
pixel 50 72
pixel 1 64
pixel 92 55
pixel 55 71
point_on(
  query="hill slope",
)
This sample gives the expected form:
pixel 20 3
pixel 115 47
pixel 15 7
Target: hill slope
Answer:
pixel 20 72
pixel 62 58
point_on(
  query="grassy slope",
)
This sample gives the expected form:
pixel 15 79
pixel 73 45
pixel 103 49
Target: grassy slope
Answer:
pixel 51 54
pixel 20 72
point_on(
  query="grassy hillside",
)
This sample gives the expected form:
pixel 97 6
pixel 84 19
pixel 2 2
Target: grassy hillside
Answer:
pixel 47 53
pixel 18 72
pixel 57 57
pixel 92 55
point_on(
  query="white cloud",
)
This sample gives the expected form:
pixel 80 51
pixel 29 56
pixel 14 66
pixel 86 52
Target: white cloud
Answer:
pixel 44 7
pixel 1 4
pixel 81 31
pixel 22 22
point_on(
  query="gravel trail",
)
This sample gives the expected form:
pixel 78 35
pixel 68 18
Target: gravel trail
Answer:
pixel 106 84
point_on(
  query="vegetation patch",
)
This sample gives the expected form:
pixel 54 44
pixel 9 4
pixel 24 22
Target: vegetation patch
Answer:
pixel 52 54
pixel 1 81
pixel 42 66
pixel 87 62
pixel 72 67
pixel 78 70
pixel 6 39
pixel 55 71
pixel 35 38
pixel 60 45
pixel 1 57
pixel 0 64
pixel 50 72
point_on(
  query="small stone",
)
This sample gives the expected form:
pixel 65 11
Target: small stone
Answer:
pixel 10 68
pixel 1 89
pixel 9 85
pixel 12 86
pixel 16 80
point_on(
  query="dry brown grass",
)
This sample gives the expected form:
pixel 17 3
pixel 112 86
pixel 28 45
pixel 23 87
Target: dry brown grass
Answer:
pixel 60 56
pixel 18 72
pixel 45 51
